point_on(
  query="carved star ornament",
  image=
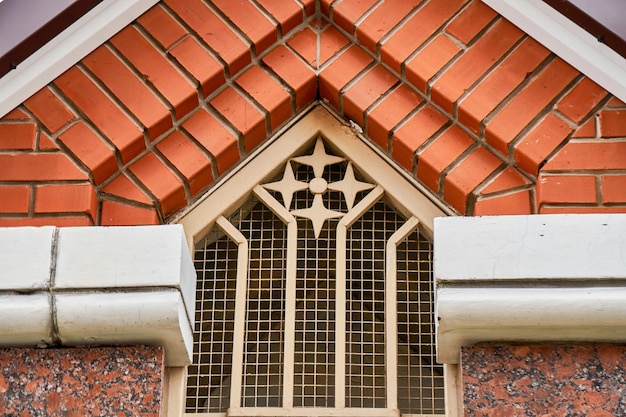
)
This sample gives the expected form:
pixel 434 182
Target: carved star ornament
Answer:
pixel 349 186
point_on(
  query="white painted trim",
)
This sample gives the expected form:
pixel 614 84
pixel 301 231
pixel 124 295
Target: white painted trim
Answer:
pixel 307 412
pixel 578 314
pixel 567 40
pixel 127 318
pixel 538 278
pixel 106 286
pixel 240 308
pixel 391 308
pixel 67 48
pixel 25 319
pixel 291 270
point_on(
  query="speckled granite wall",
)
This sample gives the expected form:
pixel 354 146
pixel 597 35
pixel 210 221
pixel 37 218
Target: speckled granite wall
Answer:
pixel 72 382
pixel 544 381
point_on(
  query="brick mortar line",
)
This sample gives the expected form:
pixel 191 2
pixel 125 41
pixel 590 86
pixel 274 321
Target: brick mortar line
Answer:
pixel 452 165
pixel 104 196
pixel 196 36
pixel 233 27
pixel 569 138
pixel 166 53
pixel 365 15
pixel 140 77
pixel 496 194
pixel 146 190
pixel 81 116
pixel 490 70
pixel 67 104
pixel 59 215
pixel 270 17
pixel 290 90
pixel 174 170
pixel 250 99
pixel 228 125
pixel 429 82
pixel 361 74
pixel 143 79
pixel 543 113
pixel 599 191
pixel 111 96
pixel 420 149
pixel 203 150
pixel 588 172
pixel 473 196
pixel 441 30
pixel 583 205
pixel 511 96
pixel 398 26
pixel 403 120
pixel 366 112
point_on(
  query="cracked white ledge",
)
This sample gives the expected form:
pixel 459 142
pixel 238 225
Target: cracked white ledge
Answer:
pixel 540 278
pixel 96 285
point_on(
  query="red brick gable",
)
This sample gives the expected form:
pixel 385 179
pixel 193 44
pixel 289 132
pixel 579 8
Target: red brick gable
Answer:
pixel 486 117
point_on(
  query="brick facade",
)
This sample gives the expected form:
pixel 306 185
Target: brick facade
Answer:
pixel 483 115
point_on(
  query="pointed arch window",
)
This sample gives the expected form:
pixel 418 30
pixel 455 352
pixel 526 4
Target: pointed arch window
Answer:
pixel 314 292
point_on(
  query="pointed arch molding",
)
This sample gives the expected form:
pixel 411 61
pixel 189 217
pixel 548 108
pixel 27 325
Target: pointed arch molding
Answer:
pixel 406 194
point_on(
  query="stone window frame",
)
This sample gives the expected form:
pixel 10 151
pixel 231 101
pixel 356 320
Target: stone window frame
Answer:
pixel 407 195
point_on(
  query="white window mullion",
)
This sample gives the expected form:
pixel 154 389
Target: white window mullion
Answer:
pixel 290 290
pixel 340 318
pixel 391 313
pixel 240 308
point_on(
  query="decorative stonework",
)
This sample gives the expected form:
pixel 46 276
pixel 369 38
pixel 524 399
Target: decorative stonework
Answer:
pixel 318 213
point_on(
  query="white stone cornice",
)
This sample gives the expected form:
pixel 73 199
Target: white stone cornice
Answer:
pixel 541 278
pixel 79 286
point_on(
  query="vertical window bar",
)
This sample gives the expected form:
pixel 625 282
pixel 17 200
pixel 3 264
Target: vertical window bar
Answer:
pixel 340 331
pixel 240 307
pixel 290 289
pixel 391 315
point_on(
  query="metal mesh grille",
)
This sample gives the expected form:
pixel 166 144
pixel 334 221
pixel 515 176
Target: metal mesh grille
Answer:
pixel 420 378
pixel 262 383
pixel 365 311
pixel 208 384
pixel 314 370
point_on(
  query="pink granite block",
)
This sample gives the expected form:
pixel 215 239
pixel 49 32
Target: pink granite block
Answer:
pixel 72 382
pixel 544 381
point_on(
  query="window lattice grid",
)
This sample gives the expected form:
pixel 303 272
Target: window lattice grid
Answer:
pixel 420 378
pixel 314 370
pixel 365 309
pixel 262 382
pixel 314 360
pixel 208 384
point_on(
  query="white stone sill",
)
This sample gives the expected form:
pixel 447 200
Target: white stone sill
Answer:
pixel 541 278
pixel 95 285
